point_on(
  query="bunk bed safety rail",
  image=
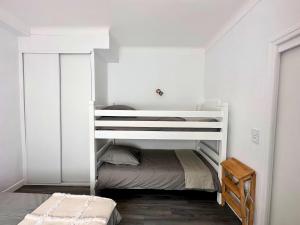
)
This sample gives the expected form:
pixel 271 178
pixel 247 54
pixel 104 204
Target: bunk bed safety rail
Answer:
pixel 197 125
pixel 159 113
pixel 159 135
pixel 162 124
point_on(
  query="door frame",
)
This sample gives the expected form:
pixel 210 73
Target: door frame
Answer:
pixel 284 42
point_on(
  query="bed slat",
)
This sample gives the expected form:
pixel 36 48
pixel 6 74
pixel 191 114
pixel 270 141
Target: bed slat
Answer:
pixel 161 135
pixel 102 150
pixel 162 124
pixel 211 162
pixel 209 152
pixel 157 113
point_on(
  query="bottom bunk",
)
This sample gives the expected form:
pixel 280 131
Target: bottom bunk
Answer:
pixel 125 167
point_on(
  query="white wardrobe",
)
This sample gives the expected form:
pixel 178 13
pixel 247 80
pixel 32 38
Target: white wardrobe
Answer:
pixel 57 91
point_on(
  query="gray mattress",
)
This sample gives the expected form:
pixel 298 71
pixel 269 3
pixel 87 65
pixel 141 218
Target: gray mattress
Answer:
pixel 15 206
pixel 158 169
pixel 141 118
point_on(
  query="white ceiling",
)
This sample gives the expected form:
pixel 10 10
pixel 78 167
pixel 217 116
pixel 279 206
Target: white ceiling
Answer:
pixel 133 22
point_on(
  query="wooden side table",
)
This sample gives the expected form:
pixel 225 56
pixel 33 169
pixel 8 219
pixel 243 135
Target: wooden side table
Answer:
pixel 234 176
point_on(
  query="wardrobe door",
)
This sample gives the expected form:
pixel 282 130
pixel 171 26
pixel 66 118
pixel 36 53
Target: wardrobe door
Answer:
pixel 42 118
pixel 75 97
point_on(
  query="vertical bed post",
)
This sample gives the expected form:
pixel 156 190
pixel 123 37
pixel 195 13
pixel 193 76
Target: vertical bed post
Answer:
pixel 22 115
pixel 92 147
pixel 223 146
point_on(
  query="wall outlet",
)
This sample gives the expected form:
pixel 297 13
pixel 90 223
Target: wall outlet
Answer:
pixel 255 136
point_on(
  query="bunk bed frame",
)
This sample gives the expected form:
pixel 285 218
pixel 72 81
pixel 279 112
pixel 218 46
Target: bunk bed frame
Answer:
pixel 215 114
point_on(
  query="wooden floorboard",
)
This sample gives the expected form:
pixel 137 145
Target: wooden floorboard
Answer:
pixel 47 189
pixel 144 207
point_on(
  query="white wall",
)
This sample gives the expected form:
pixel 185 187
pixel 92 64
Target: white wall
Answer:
pixel 101 82
pixel 178 72
pixel 237 71
pixel 140 71
pixel 10 138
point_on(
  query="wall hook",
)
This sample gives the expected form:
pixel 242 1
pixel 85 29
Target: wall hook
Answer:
pixel 159 92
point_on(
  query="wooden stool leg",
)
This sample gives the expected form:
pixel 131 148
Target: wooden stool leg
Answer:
pixel 223 188
pixel 252 203
pixel 242 202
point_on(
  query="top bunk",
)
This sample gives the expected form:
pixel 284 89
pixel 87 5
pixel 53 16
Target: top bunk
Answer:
pixel 208 123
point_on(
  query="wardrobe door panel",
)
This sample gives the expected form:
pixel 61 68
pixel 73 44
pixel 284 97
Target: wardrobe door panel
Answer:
pixel 75 97
pixel 42 117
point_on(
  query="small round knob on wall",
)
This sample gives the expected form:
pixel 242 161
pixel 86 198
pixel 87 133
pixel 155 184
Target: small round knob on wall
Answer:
pixel 159 92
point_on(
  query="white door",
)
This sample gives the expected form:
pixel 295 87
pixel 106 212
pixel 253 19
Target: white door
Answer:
pixel 42 117
pixel 75 97
pixel 286 182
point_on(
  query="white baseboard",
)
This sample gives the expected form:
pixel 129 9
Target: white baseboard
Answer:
pixel 15 186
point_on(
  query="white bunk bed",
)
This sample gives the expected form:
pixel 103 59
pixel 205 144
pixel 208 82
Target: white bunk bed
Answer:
pixel 209 123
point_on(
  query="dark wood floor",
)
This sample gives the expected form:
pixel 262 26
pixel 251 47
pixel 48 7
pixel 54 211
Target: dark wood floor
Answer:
pixel 141 207
pixel 45 189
